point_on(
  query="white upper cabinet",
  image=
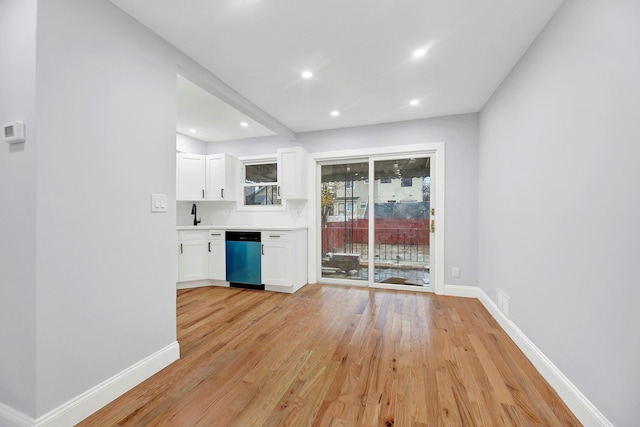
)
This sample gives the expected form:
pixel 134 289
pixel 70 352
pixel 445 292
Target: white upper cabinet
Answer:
pixel 292 173
pixel 223 177
pixel 190 177
pixel 211 177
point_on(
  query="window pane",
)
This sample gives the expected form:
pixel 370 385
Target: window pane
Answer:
pixel 402 219
pixel 261 173
pixel 344 196
pixel 261 195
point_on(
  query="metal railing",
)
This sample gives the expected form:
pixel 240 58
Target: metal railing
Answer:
pixel 395 245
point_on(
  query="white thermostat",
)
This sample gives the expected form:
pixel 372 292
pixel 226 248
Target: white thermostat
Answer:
pixel 13 132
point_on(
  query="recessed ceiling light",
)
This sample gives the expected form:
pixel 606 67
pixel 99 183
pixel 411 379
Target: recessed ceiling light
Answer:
pixel 244 124
pixel 335 113
pixel 414 102
pixel 192 130
pixel 419 52
pixel 307 74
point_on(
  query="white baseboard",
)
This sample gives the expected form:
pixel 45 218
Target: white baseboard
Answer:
pixel 279 288
pixel 95 398
pixel 10 417
pixel 577 402
pixel 80 407
pixel 461 291
pixel 193 284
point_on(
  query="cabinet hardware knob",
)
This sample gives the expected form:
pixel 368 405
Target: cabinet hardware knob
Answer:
pixel 262 249
pixel 274 235
pixel 180 247
pixel 209 246
pixel 222 193
pixel 203 193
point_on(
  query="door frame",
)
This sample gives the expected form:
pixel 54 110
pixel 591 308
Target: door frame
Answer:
pixel 436 150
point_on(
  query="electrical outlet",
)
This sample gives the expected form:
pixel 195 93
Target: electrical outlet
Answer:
pixel 455 271
pixel 504 303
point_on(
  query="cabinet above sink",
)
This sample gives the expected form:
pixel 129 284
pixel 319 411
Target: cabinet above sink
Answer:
pixel 219 177
pixel 213 177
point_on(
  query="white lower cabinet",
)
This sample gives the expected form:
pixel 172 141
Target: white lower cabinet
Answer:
pixel 284 260
pixel 275 263
pixel 202 257
pixel 217 255
pixel 192 255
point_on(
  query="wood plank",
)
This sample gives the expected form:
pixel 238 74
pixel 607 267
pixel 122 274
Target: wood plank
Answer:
pixel 338 356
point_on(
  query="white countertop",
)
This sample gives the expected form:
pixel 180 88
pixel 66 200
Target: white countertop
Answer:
pixel 238 228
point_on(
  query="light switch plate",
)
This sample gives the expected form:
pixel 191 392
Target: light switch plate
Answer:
pixel 158 203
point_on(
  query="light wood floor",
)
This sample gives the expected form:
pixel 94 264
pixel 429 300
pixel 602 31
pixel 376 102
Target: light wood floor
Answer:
pixel 338 356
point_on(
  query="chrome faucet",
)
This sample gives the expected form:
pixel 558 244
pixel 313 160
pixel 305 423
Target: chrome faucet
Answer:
pixel 193 212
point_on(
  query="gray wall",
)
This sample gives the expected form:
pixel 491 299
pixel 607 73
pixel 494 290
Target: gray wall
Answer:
pixel 106 127
pixel 17 207
pixel 187 144
pixel 460 134
pixel 80 252
pixel 559 207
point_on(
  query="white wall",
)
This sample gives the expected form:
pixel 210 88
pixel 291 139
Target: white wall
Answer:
pixel 559 204
pixel 190 145
pixel 106 141
pixel 17 207
pixel 460 134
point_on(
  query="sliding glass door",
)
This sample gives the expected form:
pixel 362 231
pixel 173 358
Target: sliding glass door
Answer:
pixel 376 222
pixel 344 213
pixel 401 221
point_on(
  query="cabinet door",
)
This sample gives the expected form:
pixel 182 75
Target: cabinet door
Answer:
pixel 292 170
pixel 275 265
pixel 216 177
pixel 192 260
pixel 217 259
pixel 190 176
pixel 222 177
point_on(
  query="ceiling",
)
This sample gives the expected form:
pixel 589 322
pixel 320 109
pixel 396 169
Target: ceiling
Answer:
pixel 359 51
pixel 205 117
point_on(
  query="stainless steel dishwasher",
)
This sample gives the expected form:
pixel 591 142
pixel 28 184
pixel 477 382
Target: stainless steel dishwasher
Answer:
pixel 244 259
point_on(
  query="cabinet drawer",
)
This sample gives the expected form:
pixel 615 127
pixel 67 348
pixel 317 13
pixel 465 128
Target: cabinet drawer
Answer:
pixel 193 235
pixel 275 236
pixel 215 235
